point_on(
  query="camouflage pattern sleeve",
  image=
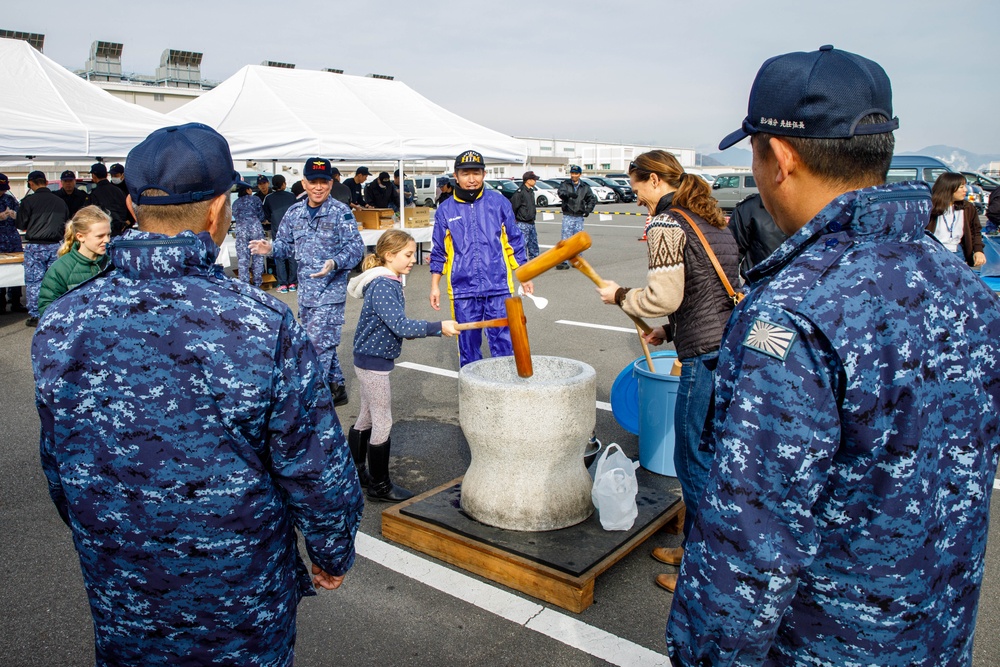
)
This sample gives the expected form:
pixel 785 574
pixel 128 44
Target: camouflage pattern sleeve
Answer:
pixel 50 465
pixel 351 248
pixel 283 244
pixel 310 460
pixel 755 529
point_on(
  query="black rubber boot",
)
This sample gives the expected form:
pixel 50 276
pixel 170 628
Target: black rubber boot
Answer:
pixel 381 487
pixel 358 442
pixel 339 392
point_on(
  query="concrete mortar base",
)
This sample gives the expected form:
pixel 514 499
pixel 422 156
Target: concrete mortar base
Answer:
pixel 527 437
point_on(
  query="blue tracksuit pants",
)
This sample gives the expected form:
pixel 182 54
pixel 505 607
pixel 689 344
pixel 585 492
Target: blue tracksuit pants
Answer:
pixel 477 309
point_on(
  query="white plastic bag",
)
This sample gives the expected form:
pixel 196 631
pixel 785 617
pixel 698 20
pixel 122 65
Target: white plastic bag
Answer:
pixel 615 488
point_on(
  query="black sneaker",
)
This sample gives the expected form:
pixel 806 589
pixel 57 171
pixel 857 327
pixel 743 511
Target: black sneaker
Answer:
pixel 31 322
pixel 339 395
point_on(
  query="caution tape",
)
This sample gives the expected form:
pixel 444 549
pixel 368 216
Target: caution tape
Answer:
pixel 553 209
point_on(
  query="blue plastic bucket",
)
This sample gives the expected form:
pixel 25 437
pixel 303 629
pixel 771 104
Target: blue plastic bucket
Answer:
pixel 657 397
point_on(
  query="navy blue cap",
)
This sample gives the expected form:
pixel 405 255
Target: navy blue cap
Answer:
pixel 243 185
pixel 4 183
pixel 575 169
pixel 67 175
pixel 262 179
pixel 470 160
pixel 317 167
pixel 116 168
pixel 191 163
pixel 98 169
pixel 818 95
pixel 37 176
pixel 363 171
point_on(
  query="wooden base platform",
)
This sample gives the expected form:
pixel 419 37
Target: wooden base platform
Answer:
pixel 532 563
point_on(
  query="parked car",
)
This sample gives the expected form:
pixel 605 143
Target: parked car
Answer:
pixel 545 194
pixel 915 168
pixel 623 193
pixel 604 194
pixel 617 176
pixel 985 182
pixel 730 189
pixel 425 187
pixel 506 187
pixel 927 169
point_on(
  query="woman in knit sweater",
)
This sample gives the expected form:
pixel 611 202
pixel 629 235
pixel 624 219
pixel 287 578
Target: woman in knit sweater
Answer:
pixel 82 255
pixel 683 286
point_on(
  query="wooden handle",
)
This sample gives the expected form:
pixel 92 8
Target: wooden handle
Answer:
pixel 676 368
pixel 645 350
pixel 584 267
pixel 485 324
pixel 558 254
pixel 519 336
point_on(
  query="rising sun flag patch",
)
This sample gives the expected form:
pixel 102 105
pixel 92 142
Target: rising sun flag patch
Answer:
pixel 769 338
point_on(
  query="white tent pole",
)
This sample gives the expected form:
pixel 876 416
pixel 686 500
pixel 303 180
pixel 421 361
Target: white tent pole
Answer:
pixel 402 199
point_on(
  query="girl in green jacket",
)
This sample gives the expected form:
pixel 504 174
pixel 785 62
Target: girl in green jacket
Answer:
pixel 81 257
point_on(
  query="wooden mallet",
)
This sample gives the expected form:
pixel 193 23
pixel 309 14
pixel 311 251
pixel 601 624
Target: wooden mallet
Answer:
pixel 557 254
pixel 518 326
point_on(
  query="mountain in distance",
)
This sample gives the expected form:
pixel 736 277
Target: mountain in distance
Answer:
pixel 731 157
pixel 958 159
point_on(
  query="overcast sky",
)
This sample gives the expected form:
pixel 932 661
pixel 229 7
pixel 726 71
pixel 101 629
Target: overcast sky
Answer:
pixel 667 73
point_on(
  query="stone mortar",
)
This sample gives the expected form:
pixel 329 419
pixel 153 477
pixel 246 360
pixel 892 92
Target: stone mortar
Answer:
pixel 527 437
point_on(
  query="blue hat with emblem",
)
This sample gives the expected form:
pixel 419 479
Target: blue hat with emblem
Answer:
pixel 4 183
pixel 575 169
pixel 191 163
pixel 317 167
pixel 822 94
pixel 470 160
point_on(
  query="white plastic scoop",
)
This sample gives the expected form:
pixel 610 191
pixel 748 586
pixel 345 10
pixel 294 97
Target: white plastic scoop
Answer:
pixel 539 301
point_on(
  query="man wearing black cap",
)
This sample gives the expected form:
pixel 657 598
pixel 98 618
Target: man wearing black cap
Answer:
pixel 378 194
pixel 523 203
pixel 116 174
pixel 10 241
pixel 578 201
pixel 74 197
pixel 446 188
pixel 355 186
pixel 42 217
pixel 477 246
pixel 322 235
pixel 338 190
pixel 108 197
pixel 857 405
pixel 209 439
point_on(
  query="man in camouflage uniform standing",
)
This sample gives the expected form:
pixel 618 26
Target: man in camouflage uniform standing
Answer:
pixel 857 417
pixel 321 234
pixel 187 431
pixel 42 217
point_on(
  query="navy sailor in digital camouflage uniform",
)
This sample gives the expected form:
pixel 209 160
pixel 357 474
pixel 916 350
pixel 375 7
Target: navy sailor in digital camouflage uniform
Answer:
pixel 857 406
pixel 187 431
pixel 322 235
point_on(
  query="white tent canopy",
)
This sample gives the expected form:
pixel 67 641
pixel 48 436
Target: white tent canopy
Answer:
pixel 47 111
pixel 268 113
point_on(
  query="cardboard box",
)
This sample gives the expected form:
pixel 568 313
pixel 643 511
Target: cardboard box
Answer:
pixel 374 218
pixel 418 216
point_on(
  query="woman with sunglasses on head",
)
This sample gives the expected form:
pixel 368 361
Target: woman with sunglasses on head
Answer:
pixel 954 220
pixel 683 285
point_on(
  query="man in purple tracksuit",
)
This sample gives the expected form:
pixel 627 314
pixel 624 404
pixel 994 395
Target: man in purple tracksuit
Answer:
pixel 477 246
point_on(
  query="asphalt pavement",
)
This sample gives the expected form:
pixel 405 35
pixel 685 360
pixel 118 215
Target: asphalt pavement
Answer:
pixel 397 606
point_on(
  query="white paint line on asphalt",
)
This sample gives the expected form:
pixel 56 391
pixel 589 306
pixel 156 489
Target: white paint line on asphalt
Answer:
pixel 546 246
pixel 595 326
pixel 428 369
pixel 996 484
pixel 531 615
pixel 601 405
